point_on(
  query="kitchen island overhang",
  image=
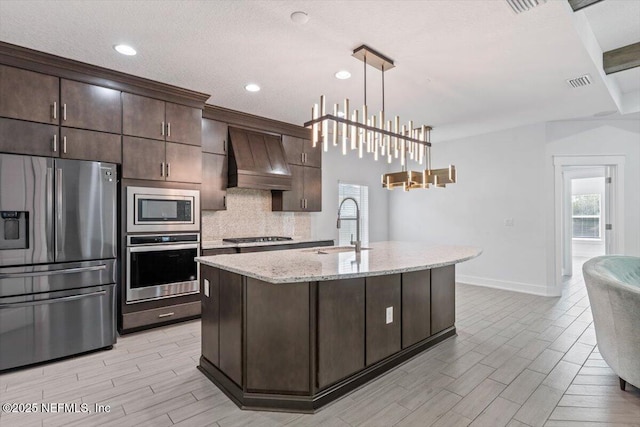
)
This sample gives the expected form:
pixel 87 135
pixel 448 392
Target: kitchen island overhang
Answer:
pixel 294 330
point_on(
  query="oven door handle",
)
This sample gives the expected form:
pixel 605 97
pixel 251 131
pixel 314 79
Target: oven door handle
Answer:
pixel 52 272
pixel 52 300
pixel 166 247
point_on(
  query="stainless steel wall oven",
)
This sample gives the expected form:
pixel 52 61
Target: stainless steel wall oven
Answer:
pixel 162 266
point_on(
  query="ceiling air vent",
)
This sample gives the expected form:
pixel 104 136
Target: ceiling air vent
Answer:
pixel 580 81
pixel 520 6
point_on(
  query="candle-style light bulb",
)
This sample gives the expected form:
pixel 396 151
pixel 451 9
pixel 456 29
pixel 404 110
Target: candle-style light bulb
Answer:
pixel 335 124
pixel 314 127
pixel 345 127
pixel 325 124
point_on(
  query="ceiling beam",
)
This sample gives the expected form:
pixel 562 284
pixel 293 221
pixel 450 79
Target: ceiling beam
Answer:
pixel 621 59
pixel 576 5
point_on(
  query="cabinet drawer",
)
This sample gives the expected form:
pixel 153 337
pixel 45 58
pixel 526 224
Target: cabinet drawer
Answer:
pixel 159 315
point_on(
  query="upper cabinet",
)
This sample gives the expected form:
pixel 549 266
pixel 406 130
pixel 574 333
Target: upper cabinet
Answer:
pixel 301 152
pixel 145 117
pixel 213 192
pixel 34 105
pixel 149 159
pixel 90 107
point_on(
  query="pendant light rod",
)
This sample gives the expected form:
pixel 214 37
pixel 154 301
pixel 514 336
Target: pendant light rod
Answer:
pixel 365 79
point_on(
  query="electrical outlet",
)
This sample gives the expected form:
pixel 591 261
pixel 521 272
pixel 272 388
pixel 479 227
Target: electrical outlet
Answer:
pixel 389 315
pixel 206 288
pixel 508 222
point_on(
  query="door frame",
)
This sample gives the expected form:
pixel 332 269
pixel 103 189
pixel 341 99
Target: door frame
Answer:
pixel 616 196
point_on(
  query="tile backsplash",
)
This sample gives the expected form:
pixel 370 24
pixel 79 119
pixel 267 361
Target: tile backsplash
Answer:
pixel 249 214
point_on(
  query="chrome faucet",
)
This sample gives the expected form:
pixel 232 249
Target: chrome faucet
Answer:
pixel 357 243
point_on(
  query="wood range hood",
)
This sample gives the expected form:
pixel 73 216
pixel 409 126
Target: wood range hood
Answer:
pixel 257 161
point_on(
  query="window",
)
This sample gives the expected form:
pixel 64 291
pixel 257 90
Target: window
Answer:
pixel 348 227
pixel 586 216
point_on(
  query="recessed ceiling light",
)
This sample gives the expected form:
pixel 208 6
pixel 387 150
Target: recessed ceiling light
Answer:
pixel 299 17
pixel 343 74
pixel 125 49
pixel 252 87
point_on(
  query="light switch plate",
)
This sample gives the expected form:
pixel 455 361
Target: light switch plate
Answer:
pixel 206 288
pixel 389 315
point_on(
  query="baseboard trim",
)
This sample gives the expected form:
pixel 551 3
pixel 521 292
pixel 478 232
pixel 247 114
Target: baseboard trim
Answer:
pixel 527 288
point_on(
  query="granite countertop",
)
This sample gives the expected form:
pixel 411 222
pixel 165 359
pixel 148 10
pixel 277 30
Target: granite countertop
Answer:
pixel 219 244
pixel 304 265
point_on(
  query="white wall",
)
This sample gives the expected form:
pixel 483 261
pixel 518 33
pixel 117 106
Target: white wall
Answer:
pixel 510 175
pixel 351 169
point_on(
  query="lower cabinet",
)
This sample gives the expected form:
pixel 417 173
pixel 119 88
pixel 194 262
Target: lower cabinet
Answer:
pixel 230 322
pixel 140 319
pixel 383 317
pixel 210 292
pixel 341 326
pixel 443 298
pixel 416 307
pixel 278 342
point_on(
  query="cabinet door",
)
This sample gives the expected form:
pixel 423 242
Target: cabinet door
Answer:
pixel 92 107
pixel 231 325
pixel 313 155
pixel 313 189
pixel 416 307
pixel 28 96
pixel 184 163
pixel 443 298
pixel 383 330
pixel 143 158
pixel 36 139
pixel 214 137
pixel 142 117
pixel 292 200
pixel 210 313
pixel 213 191
pixel 293 149
pixel 88 145
pixel 184 124
pixel 341 317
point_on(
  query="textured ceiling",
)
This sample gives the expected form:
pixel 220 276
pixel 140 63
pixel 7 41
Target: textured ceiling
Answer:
pixel 465 67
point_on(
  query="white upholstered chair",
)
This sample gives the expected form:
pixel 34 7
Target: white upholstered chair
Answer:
pixel 613 285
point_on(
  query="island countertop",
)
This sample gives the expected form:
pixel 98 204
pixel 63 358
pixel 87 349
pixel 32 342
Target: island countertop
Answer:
pixel 307 265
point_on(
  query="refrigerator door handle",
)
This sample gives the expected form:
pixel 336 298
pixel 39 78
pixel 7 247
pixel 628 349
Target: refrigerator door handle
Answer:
pixel 49 231
pixel 59 225
pixel 51 300
pixel 53 272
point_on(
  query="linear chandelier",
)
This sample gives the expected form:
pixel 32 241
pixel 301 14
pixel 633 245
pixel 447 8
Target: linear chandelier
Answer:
pixel 377 136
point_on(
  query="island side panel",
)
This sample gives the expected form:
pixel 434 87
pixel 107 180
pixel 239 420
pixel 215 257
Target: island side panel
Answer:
pixel 416 307
pixel 210 313
pixel 341 326
pixel 443 298
pixel 278 353
pixel 231 325
pixel 382 338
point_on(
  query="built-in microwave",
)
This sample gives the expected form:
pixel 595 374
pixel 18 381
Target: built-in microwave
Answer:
pixel 162 209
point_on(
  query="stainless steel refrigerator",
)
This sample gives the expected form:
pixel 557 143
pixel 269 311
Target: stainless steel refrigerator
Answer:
pixel 57 258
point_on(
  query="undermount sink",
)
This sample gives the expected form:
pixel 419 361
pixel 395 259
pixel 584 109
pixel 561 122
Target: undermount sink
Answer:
pixel 334 249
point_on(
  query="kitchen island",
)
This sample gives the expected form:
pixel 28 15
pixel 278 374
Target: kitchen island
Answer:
pixel 294 330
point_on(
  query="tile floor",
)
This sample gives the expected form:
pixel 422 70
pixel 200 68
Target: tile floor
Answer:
pixel 518 360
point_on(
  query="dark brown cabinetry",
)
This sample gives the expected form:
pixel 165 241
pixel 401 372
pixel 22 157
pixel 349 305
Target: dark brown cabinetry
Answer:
pixel 278 352
pixel 341 325
pixel 89 145
pixel 34 105
pixel 91 107
pixel 214 165
pixel 231 326
pixel 301 152
pixel 150 118
pixel 36 139
pixel 383 333
pixel 416 307
pixel 27 95
pixel 160 161
pixel 306 192
pixel 443 296
pixel 210 313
